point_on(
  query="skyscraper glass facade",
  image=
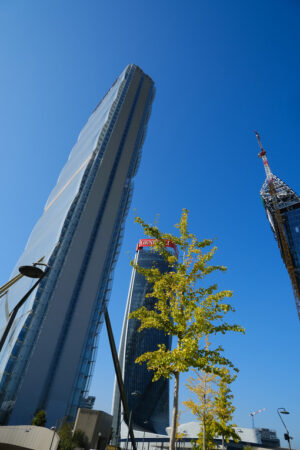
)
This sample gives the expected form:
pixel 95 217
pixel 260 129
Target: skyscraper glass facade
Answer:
pixel 148 401
pixel 49 354
pixel 289 205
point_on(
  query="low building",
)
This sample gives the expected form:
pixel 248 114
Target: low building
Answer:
pixel 258 438
pixel 28 437
pixel 96 425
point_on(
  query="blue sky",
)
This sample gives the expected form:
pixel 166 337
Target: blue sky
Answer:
pixel 221 69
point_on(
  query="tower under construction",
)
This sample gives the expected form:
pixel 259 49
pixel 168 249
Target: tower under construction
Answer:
pixel 282 206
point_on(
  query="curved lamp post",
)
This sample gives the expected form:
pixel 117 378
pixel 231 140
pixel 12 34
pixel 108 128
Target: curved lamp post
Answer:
pixel 31 272
pixel 133 394
pixel 145 423
pixel 287 436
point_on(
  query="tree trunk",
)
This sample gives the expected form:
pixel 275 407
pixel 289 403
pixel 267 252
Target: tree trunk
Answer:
pixel 204 437
pixel 174 413
pixel 204 416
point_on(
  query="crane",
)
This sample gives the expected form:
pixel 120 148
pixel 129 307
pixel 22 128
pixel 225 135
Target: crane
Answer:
pixel 254 414
pixel 282 237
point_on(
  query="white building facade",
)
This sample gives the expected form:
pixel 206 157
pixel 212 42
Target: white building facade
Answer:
pixel 48 357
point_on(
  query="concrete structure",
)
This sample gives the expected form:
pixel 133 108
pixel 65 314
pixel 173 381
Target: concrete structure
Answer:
pixel 148 401
pixel 28 438
pixel 49 355
pixel 96 425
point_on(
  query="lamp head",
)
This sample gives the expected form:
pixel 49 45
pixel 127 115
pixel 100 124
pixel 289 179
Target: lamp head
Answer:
pixel 283 411
pixel 136 393
pixel 31 271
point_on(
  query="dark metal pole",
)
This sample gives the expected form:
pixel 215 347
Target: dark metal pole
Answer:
pixel 16 309
pixel 119 377
pixel 288 437
pixel 54 431
pixel 143 440
pixel 129 425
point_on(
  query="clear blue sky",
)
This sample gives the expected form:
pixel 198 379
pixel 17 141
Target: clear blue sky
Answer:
pixel 222 69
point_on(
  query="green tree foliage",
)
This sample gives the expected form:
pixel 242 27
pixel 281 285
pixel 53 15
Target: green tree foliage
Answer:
pixel 80 439
pixel 212 406
pixel 202 386
pixel 224 409
pixel 184 308
pixel 65 435
pixel 39 419
pixel 68 440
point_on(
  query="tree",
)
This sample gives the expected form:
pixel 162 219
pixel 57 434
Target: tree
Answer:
pixel 80 439
pixel 213 407
pixel 39 419
pixel 183 309
pixel 70 440
pixel 65 435
pixel 202 385
pixel 224 409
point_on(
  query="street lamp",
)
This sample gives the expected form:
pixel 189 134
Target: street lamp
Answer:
pixel 287 436
pixel 54 431
pixel 31 272
pixel 136 393
pixel 133 394
pixel 145 423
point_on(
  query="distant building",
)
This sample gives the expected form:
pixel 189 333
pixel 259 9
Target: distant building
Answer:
pixel 256 438
pixel 49 355
pixel 148 401
pixel 28 437
pixel 268 438
pixel 96 426
pixel 88 403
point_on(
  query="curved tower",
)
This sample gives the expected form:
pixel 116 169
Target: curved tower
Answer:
pixel 48 358
pixel 148 401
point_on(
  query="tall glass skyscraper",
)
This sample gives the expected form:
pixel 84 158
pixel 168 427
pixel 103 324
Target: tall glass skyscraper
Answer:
pixel 48 358
pixel 148 401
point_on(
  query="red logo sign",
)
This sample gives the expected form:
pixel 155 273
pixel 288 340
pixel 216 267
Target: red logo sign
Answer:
pixel 150 242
